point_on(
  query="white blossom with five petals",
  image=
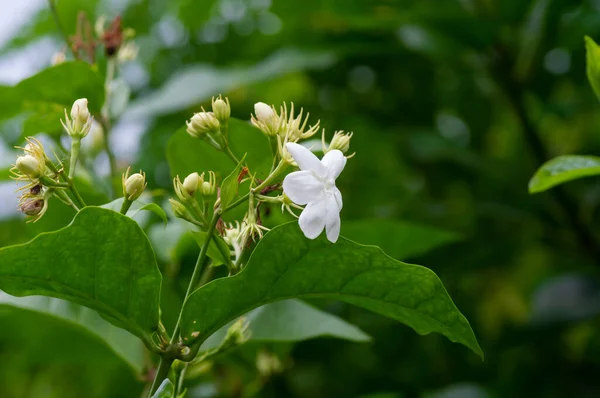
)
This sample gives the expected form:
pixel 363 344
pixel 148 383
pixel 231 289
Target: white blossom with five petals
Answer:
pixel 314 186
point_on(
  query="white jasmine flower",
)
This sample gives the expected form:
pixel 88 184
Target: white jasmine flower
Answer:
pixel 314 186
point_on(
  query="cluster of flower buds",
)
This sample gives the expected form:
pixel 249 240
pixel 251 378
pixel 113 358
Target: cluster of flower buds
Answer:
pixel 80 123
pixel 187 207
pixel 36 171
pixel 211 126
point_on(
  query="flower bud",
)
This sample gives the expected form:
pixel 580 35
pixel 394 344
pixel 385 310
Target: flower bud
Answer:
pixel 208 188
pixel 29 165
pixel 58 58
pixel 238 333
pixel 80 123
pixel 221 109
pixel 190 184
pixel 179 209
pixel 80 113
pixel 264 113
pixel 134 185
pixel 202 123
pixel 340 141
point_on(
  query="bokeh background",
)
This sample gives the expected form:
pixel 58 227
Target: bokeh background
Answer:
pixel 453 105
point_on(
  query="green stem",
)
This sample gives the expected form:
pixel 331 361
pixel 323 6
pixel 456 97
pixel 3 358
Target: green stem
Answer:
pixel 231 155
pixel 161 373
pixel 125 206
pixel 278 170
pixel 237 202
pixel 197 271
pixel 59 26
pixel 75 145
pixel 63 196
pixel 105 114
pixel 77 196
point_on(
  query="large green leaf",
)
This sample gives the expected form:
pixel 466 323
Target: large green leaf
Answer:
pixel 129 348
pixel 40 92
pixel 563 169
pixel 187 154
pixel 102 260
pixel 398 239
pixel 290 321
pixel 285 265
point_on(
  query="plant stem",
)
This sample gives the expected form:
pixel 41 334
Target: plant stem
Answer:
pixel 280 167
pixel 75 146
pixel 167 359
pixel 237 203
pixel 125 206
pixel 105 113
pixel 63 197
pixel 76 194
pixel 161 373
pixel 231 155
pixel 59 26
pixel 197 271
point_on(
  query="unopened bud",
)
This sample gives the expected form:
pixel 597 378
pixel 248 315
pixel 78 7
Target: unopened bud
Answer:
pixel 80 113
pixel 29 165
pixel 80 123
pixel 202 123
pixel 238 333
pixel 340 141
pixel 190 184
pixel 179 209
pixel 221 109
pixel 134 185
pixel 208 188
pixel 264 113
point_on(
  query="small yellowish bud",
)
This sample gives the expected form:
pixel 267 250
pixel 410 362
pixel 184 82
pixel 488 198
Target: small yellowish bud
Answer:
pixel 202 123
pixel 179 209
pixel 133 185
pixel 221 109
pixel 29 165
pixel 208 187
pixel 190 184
pixel 340 141
pixel 127 52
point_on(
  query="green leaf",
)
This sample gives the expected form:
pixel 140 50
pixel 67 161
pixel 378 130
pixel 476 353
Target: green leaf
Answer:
pixel 39 93
pixel 593 64
pixel 126 346
pixel 562 169
pixel 216 248
pixel 165 390
pixel 76 79
pixel 102 260
pixel 156 209
pixel 187 155
pixel 290 321
pixel 229 186
pixel 285 265
pixel 399 239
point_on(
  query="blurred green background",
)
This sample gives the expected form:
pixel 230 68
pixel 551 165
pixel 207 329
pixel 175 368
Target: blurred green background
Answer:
pixel 453 104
